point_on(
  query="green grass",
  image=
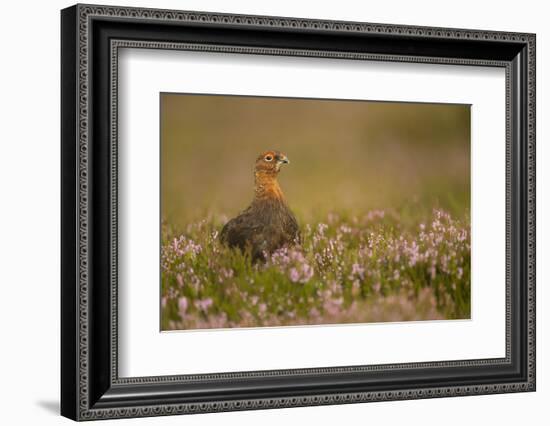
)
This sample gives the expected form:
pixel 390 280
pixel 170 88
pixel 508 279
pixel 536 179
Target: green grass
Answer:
pixel 380 266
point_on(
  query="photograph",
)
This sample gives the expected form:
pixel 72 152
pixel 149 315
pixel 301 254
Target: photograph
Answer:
pixel 265 209
pixel 280 211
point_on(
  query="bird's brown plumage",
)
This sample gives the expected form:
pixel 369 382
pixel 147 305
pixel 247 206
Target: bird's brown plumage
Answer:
pixel 267 224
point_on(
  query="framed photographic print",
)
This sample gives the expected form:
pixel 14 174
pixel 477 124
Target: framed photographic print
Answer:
pixel 263 212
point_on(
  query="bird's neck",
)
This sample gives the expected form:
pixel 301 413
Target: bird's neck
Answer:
pixel 266 187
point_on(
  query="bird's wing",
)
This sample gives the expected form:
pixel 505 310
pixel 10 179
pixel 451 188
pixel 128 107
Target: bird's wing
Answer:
pixel 240 230
pixel 292 228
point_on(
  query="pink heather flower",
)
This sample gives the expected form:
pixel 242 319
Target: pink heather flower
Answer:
pixel 321 228
pixel 375 214
pixel 179 279
pixel 333 306
pixel 307 273
pixel 226 273
pixel 345 229
pixel 262 308
pixel 182 305
pixel 163 301
pixel 314 313
pixel 294 275
pixel 357 269
pixel 184 245
pixel 204 304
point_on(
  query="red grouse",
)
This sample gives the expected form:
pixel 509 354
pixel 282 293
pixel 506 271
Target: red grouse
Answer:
pixel 267 224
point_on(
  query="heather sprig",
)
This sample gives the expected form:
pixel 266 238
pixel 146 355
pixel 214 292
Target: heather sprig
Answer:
pixel 348 269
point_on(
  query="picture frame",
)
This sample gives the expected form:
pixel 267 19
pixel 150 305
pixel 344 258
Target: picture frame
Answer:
pixel 90 384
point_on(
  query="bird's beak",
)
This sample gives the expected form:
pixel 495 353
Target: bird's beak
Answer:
pixel 283 159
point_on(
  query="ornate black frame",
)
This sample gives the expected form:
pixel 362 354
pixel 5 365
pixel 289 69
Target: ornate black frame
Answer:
pixel 91 37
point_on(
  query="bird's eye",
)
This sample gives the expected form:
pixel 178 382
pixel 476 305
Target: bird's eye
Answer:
pixel 268 158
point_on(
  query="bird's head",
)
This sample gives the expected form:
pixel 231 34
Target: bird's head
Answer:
pixel 269 163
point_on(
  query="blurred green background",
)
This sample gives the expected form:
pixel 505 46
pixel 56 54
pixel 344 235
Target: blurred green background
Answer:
pixel 346 156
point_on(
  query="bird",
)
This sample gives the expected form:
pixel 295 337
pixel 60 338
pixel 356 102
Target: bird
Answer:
pixel 267 224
